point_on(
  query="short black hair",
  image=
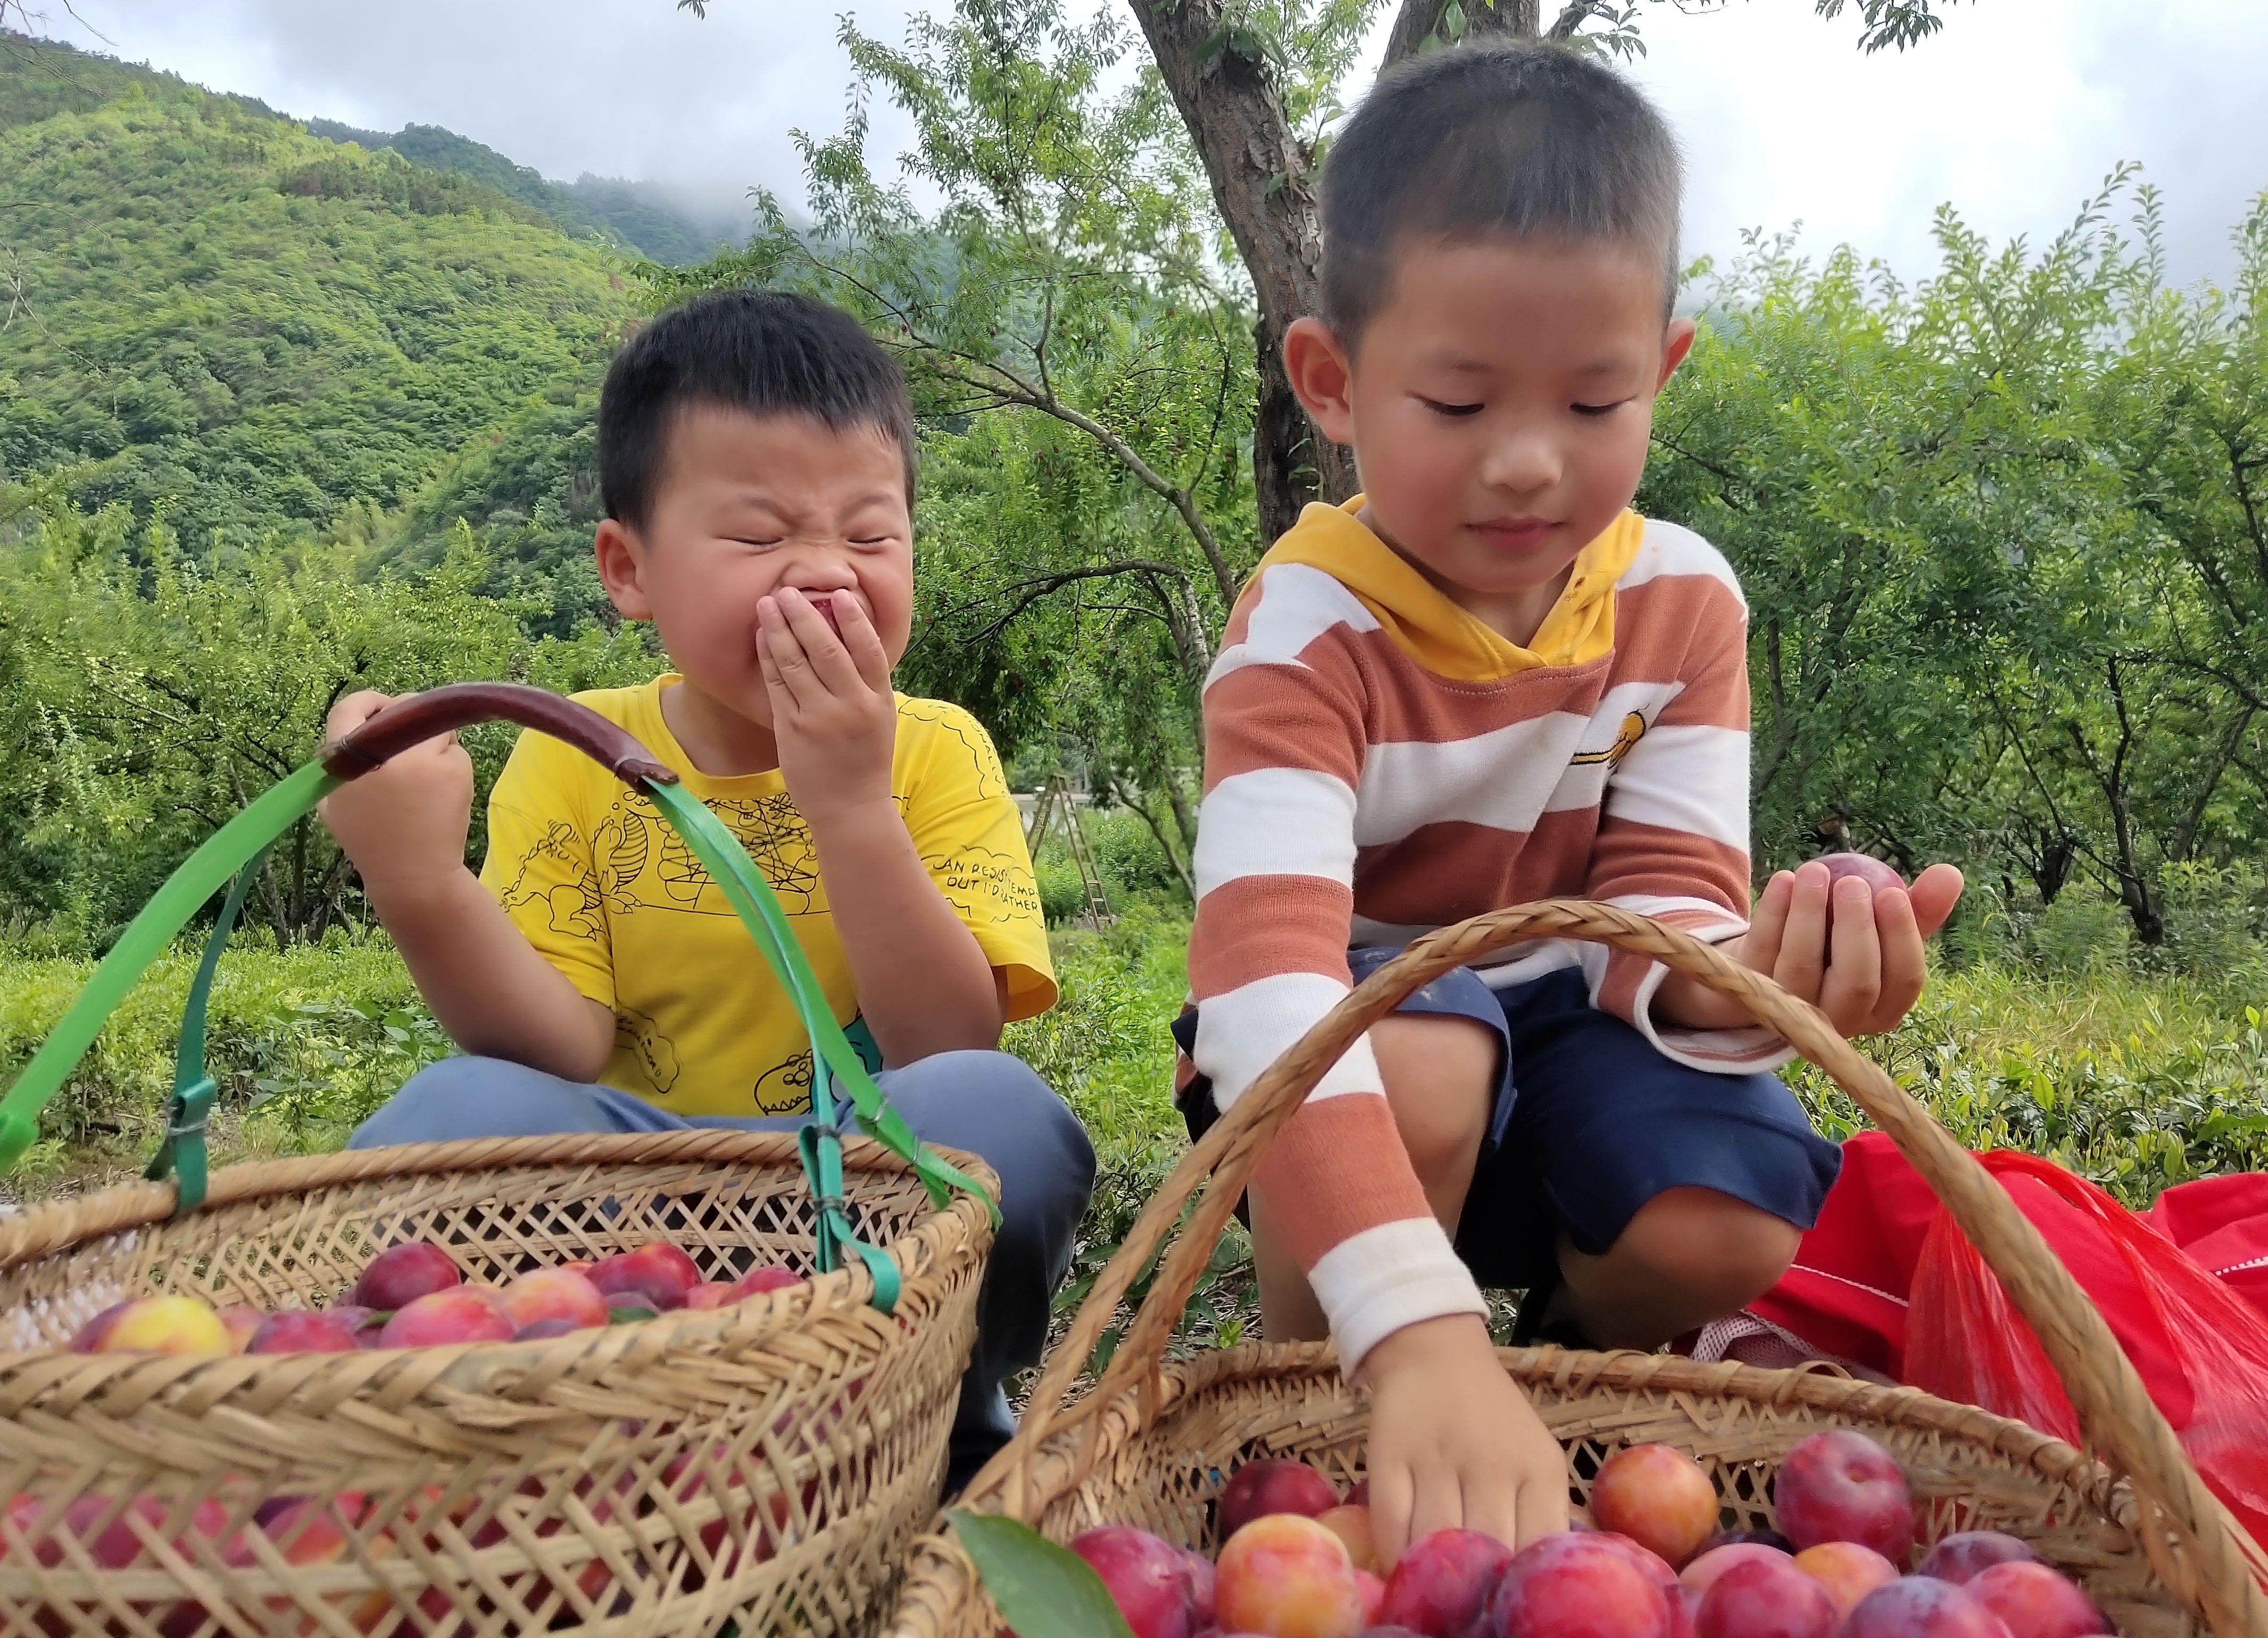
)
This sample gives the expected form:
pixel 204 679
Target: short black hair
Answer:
pixel 763 351
pixel 1514 137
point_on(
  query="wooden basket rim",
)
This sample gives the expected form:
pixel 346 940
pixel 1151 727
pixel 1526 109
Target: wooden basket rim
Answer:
pixel 484 1369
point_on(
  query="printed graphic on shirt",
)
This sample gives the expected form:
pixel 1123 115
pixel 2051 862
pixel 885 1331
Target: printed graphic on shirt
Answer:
pixel 985 885
pixel 1633 730
pixel 638 1035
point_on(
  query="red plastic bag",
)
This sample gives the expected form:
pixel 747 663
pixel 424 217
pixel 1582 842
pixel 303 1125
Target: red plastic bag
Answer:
pixel 2199 1346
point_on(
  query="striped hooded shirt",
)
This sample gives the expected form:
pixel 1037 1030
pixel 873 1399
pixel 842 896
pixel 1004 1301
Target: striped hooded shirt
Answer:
pixel 1379 763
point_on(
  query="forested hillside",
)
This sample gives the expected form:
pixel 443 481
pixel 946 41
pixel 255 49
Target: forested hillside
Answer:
pixel 212 311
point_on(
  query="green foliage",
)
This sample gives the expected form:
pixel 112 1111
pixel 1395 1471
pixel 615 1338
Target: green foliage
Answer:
pixel 156 694
pixel 1999 534
pixel 206 307
pixel 304 1043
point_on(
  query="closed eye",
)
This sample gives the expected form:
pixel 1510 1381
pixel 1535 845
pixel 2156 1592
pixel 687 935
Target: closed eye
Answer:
pixel 1439 407
pixel 1597 410
pixel 745 540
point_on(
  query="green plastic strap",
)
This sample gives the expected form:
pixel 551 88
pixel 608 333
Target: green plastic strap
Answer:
pixel 822 1163
pixel 832 1054
pixel 225 852
pixel 181 1153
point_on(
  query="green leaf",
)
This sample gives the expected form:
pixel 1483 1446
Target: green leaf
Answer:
pixel 1043 1590
pixel 1453 21
pixel 629 1316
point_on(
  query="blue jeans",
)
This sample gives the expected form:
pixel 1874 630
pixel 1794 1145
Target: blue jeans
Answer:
pixel 988 1104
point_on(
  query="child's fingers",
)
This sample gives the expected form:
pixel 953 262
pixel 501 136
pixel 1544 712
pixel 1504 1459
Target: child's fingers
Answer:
pixel 1904 968
pixel 1542 1511
pixel 1495 1510
pixel 1768 925
pixel 1935 891
pixel 787 668
pixel 830 662
pixel 1389 1511
pixel 1854 965
pixel 1802 959
pixel 353 711
pixel 864 642
pixel 1438 1502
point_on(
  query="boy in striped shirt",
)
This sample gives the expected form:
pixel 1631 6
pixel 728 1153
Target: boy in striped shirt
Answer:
pixel 1482 682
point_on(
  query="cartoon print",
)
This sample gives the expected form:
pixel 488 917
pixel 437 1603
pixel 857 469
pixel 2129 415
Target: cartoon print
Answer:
pixel 786 1088
pixel 983 883
pixel 638 1034
pixel 573 907
pixel 1633 730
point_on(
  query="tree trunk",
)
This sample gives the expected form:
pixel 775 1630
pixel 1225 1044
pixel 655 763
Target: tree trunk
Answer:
pixel 1262 177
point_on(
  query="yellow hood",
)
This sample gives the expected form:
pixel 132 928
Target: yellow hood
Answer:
pixel 1445 639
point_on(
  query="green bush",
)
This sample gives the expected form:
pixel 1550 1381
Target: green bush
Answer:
pixel 304 1043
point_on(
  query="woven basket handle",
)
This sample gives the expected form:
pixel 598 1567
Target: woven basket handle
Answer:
pixel 2189 1535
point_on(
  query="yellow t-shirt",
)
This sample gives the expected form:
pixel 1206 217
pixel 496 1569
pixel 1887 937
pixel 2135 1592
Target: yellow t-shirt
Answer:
pixel 610 895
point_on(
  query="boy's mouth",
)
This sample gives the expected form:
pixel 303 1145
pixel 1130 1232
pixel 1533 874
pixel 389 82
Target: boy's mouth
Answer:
pixel 825 608
pixel 1514 534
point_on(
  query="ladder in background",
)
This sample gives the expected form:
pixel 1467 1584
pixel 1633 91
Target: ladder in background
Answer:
pixel 1053 795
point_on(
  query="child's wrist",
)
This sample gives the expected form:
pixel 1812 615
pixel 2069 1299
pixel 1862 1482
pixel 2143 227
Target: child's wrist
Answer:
pixel 417 891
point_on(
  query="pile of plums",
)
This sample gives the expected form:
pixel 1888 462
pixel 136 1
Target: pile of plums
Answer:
pixel 1650 1561
pixel 413 1296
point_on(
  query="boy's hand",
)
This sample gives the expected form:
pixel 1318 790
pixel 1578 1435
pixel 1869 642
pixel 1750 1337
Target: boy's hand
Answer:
pixel 404 825
pixel 833 713
pixel 1863 965
pixel 1454 1444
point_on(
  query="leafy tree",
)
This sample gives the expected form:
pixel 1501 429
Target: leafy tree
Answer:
pixel 1255 83
pixel 154 693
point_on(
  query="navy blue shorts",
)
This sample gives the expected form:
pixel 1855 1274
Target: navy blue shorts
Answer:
pixel 1590 1123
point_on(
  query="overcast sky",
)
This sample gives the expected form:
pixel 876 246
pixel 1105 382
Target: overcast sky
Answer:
pixel 2014 113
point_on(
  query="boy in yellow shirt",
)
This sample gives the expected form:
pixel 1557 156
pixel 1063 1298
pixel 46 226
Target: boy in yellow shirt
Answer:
pixel 756 460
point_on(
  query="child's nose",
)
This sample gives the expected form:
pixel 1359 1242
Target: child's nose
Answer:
pixel 1522 463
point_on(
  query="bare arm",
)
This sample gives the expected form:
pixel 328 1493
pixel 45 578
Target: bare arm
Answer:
pixel 924 983
pixel 404 827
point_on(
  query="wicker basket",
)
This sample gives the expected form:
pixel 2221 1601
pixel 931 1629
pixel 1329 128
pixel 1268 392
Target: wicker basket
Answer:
pixel 763 1466
pixel 768 1463
pixel 1152 1443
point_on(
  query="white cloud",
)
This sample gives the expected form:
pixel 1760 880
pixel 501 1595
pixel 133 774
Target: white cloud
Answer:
pixel 2014 113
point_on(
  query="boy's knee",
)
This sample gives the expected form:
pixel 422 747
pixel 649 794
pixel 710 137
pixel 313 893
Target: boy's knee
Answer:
pixel 995 1105
pixel 471 1098
pixel 1723 1252
pixel 1441 1076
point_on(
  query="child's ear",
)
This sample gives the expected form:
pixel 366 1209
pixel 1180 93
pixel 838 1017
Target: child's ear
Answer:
pixel 621 571
pixel 1322 373
pixel 1674 345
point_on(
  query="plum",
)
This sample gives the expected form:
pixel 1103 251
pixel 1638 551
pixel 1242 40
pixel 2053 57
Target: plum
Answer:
pixel 1285 1576
pixel 1273 1485
pixel 1442 1585
pixel 1147 1579
pixel 1766 1599
pixel 398 1276
pixel 2034 1601
pixel 1571 1585
pixel 1659 1497
pixel 1922 1606
pixel 1960 1558
pixel 1841 1485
